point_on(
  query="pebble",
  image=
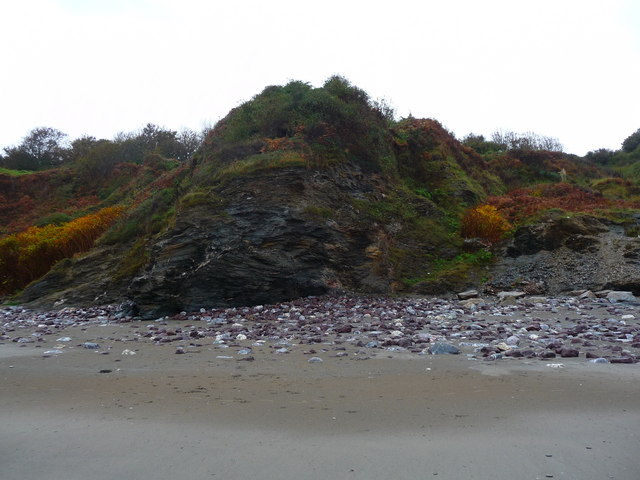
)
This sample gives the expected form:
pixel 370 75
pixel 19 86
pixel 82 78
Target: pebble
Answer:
pixel 315 360
pixel 440 348
pixel 50 353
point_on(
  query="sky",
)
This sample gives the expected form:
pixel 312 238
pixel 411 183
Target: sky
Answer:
pixel 568 69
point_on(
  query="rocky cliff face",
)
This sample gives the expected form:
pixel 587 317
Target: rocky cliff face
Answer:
pixel 278 236
pixel 261 238
pixel 570 253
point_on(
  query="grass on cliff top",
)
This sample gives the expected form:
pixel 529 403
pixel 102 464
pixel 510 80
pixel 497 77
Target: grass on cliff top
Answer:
pixel 14 173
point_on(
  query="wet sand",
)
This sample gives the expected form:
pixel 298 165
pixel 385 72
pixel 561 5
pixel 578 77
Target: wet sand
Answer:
pixel 164 416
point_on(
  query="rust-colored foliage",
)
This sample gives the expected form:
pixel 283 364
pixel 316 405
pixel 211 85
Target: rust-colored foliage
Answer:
pixel 522 203
pixel 280 143
pixel 484 222
pixel 29 255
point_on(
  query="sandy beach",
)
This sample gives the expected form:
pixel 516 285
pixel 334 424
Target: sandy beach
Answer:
pixel 99 414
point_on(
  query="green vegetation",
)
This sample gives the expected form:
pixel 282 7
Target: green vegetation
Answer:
pixel 335 123
pixel 133 261
pixel 14 173
pixel 453 273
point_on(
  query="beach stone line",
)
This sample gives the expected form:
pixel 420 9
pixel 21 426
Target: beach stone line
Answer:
pixel 360 327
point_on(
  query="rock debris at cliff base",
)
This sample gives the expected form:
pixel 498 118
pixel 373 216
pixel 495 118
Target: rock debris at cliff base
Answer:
pixel 504 328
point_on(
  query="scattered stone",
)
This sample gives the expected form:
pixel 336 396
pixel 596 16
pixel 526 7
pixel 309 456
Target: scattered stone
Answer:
pixel 537 300
pixel 441 348
pixel 616 297
pixel 128 352
pixel 513 341
pixel 315 360
pixel 473 303
pixel 587 295
pixel 569 352
pixel 513 293
pixel 64 339
pixel 90 345
pixel 179 351
pixel 514 354
pixel 622 360
pixel 51 353
pixel 468 294
pixel 599 360
pixel 106 370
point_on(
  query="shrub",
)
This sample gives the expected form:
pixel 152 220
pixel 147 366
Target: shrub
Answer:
pixel 485 222
pixel 523 203
pixel 27 256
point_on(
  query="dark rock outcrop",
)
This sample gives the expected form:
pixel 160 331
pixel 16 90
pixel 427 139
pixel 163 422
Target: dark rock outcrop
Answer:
pixel 571 252
pixel 268 244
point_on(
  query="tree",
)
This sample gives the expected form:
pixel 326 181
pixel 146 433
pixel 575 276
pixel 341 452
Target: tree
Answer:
pixel 508 140
pixel 631 142
pixel 81 147
pixel 189 142
pixel 152 139
pixel 601 156
pixel 98 161
pixel 480 144
pixel 42 148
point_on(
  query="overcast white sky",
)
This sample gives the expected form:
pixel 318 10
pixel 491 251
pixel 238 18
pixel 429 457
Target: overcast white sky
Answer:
pixel 569 69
